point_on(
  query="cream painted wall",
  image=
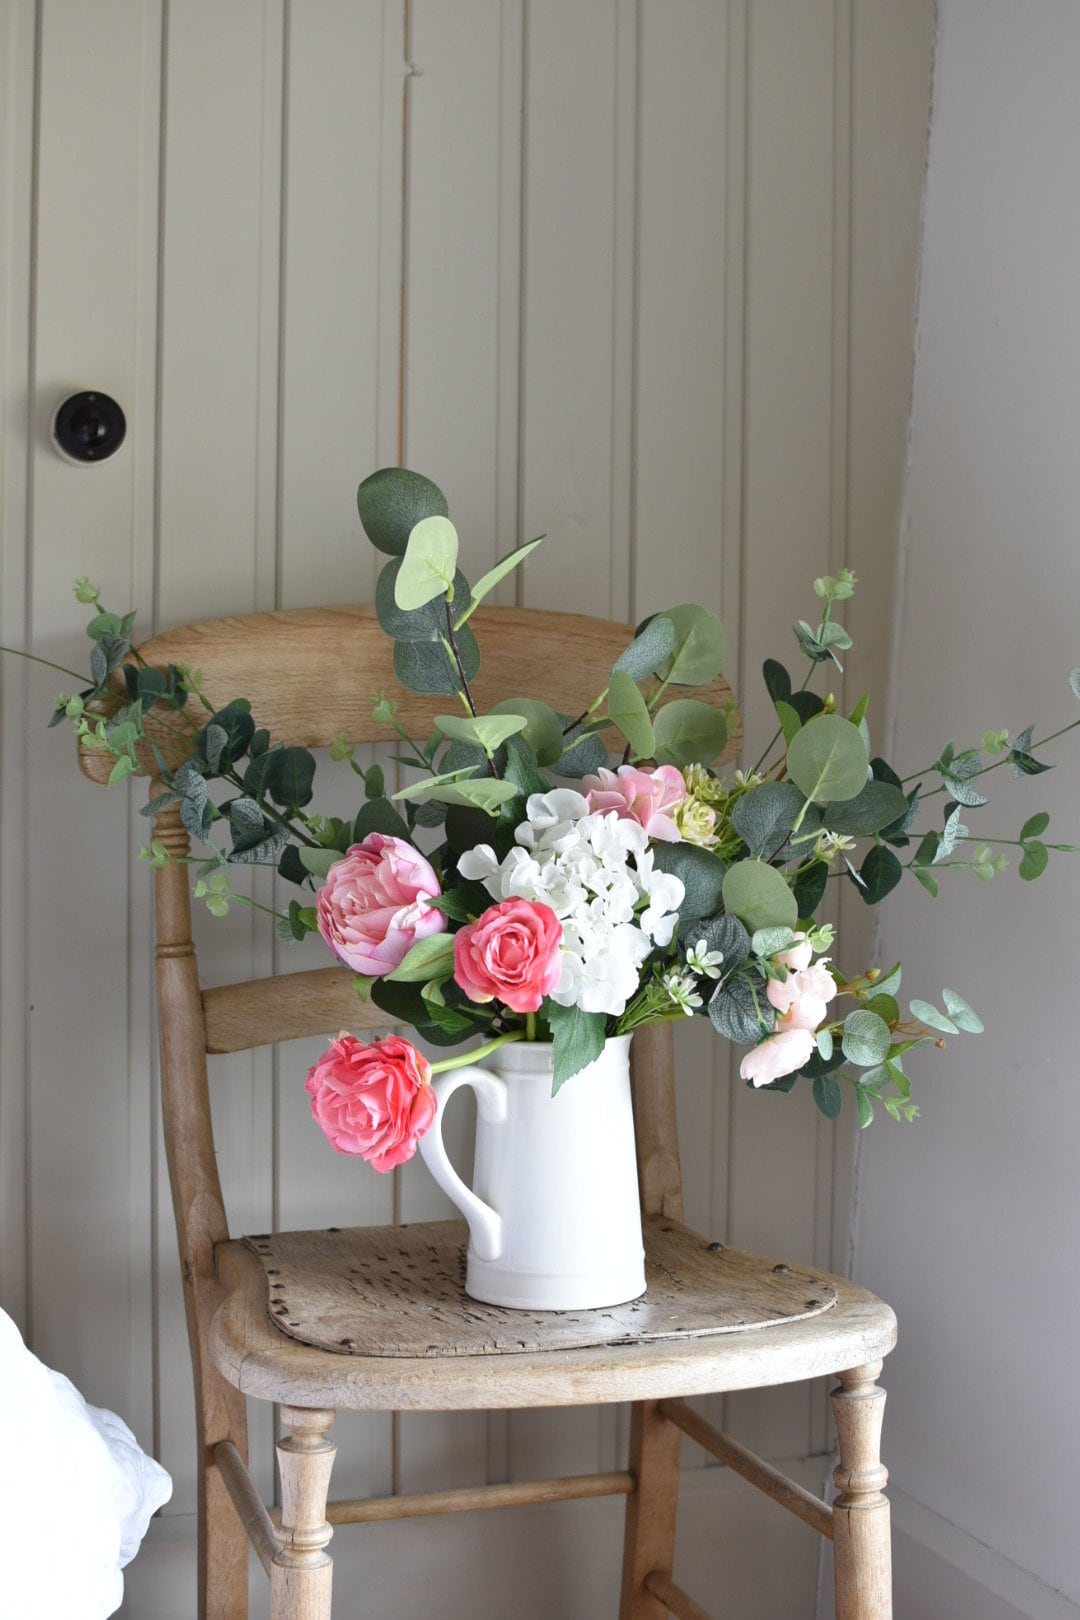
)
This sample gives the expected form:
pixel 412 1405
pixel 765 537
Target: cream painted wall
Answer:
pixel 968 1222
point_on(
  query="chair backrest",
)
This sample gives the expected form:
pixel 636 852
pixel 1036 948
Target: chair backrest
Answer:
pixel 310 674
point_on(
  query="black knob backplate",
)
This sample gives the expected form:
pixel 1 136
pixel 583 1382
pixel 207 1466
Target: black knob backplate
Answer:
pixel 89 427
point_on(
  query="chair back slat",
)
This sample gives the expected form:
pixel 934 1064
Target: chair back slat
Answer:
pixel 311 672
pixel 262 1012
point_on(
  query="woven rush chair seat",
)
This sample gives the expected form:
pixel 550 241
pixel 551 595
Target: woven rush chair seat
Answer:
pixel 376 1319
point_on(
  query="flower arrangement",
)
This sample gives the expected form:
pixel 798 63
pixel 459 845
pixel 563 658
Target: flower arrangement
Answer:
pixel 530 887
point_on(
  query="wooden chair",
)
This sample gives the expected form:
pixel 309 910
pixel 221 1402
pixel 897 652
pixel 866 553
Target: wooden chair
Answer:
pixel 310 674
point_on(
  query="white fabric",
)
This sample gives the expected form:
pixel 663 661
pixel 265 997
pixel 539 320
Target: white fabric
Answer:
pixel 76 1493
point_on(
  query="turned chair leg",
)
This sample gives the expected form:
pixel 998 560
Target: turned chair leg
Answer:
pixel 650 1510
pixel 861 1543
pixel 302 1571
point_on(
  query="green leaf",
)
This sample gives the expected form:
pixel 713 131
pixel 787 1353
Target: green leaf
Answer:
pixel 928 1014
pixel 429 564
pixel 378 815
pixel 318 861
pixel 928 881
pixel 876 805
pixel 584 753
pixel 628 711
pixel 764 817
pixel 428 668
pixel 738 1014
pixel 521 769
pixel 650 648
pixel 759 896
pixel 809 888
pixel 429 958
pixel 577 1040
pixel 1035 826
pixel 487 582
pixel 487 731
pixel 122 769
pixel 880 872
pixel 865 1108
pixel 392 502
pixel 725 934
pixel 701 874
pixel 688 732
pixel 485 793
pixel 427 623
pixel 828 1096
pixel 827 759
pixel 889 983
pixel 239 728
pixel 790 723
pixel 543 728
pixel 963 1016
pixel 290 776
pixel 1033 861
pixel 700 647
pixel 885 1006
pixel 866 1039
pixel 771 941
pixel 777 680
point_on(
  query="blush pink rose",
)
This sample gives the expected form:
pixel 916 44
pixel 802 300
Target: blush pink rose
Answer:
pixel 802 998
pixel 372 908
pixel 798 955
pixel 373 1101
pixel 642 796
pixel 776 1056
pixel 511 953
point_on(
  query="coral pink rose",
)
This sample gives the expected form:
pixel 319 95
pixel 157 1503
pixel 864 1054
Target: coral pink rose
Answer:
pixel 776 1056
pixel 373 1101
pixel 802 997
pixel 511 953
pixel 642 796
pixel 797 956
pixel 371 910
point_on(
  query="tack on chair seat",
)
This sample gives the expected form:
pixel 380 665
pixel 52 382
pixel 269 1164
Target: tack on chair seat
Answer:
pixel 331 1321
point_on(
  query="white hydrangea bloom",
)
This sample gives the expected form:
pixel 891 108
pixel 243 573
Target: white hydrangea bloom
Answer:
pixel 597 874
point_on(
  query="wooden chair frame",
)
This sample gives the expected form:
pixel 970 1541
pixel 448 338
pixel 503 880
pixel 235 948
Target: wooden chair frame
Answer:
pixel 332 660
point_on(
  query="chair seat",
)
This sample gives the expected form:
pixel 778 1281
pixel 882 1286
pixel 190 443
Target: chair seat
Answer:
pixel 376 1318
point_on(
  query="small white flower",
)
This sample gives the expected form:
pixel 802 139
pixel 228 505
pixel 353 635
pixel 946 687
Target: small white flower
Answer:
pixel 681 989
pixel 704 961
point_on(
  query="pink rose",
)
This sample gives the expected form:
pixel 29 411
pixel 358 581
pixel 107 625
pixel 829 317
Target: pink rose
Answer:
pixel 801 999
pixel 776 1056
pixel 642 796
pixel 798 955
pixel 373 1101
pixel 511 953
pixel 372 908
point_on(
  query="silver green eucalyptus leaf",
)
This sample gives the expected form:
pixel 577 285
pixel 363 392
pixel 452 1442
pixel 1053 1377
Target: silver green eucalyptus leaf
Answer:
pixel 429 564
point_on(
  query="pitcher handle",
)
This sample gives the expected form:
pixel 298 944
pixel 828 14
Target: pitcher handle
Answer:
pixel 485 1225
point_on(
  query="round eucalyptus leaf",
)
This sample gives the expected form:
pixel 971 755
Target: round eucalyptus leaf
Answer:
pixel 392 502
pixel 426 666
pixel 700 647
pixel 488 731
pixel 543 729
pixel 425 623
pixel 759 896
pixel 649 648
pixel 688 732
pixel 827 759
pixel 866 1040
pixel 429 564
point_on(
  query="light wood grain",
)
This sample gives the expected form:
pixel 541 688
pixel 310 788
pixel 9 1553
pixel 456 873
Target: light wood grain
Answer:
pixel 481 1498
pixel 673 1599
pixel 649 1545
pixel 301 1571
pixel 862 1547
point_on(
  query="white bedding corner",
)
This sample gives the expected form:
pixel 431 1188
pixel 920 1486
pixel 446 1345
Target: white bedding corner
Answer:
pixel 77 1493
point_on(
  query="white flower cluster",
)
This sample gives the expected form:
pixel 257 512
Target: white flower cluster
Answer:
pixel 596 872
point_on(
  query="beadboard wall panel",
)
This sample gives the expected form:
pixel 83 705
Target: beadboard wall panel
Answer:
pixel 617 274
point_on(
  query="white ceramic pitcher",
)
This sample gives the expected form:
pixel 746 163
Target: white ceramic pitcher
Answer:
pixel 553 1212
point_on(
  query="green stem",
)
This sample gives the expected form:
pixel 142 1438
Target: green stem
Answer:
pixel 1004 760
pixel 465 1058
pixel 530 1026
pixel 32 658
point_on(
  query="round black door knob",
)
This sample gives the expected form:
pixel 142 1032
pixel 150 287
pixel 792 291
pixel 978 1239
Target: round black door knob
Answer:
pixel 88 427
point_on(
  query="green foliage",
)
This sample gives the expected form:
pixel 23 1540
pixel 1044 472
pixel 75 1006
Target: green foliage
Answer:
pixel 577 1040
pixel 392 502
pixel 764 817
pixel 487 731
pixel 627 710
pixel 425 623
pixel 880 873
pixel 702 875
pixel 700 647
pixel 827 759
pixel 487 582
pixel 428 567
pixel 759 896
pixel 650 649
pixel 543 728
pixel 688 732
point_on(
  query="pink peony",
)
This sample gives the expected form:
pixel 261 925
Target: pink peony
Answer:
pixel 511 953
pixel 802 998
pixel 776 1056
pixel 642 796
pixel 373 1101
pixel 372 908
